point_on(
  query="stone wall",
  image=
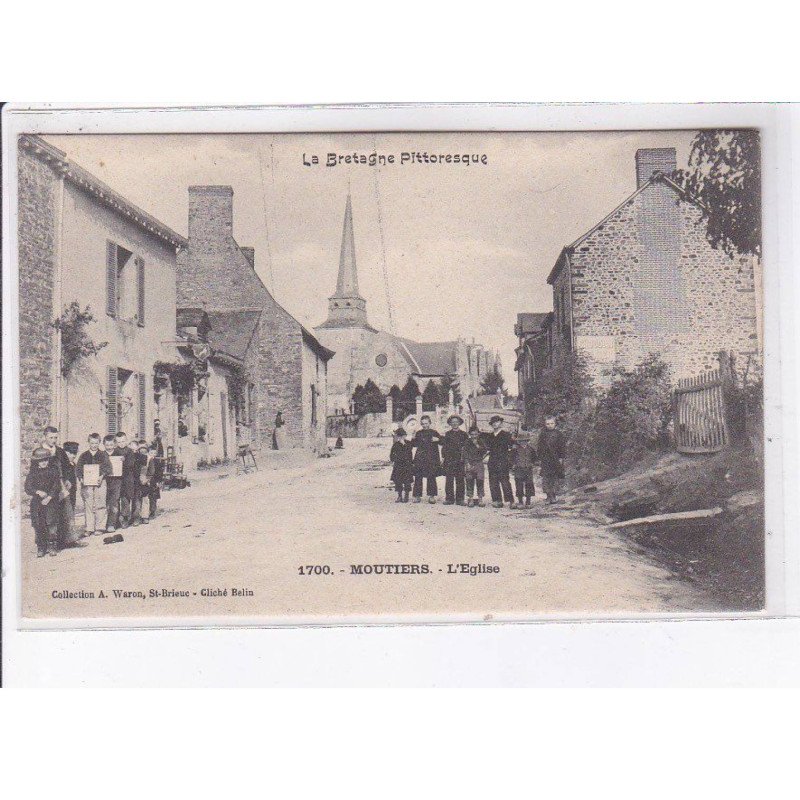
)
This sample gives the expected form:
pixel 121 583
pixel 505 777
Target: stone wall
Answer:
pixel 641 284
pixel 38 191
pixel 217 275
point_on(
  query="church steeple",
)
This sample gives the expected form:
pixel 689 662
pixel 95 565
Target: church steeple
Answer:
pixel 346 308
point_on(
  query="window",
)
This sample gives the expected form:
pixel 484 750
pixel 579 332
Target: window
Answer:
pixel 125 297
pixel 381 360
pixel 126 402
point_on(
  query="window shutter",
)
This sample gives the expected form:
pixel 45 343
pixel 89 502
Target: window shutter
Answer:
pixel 112 399
pixel 140 289
pixel 142 400
pixel 111 279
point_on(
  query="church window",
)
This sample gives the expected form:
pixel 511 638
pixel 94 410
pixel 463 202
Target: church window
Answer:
pixel 381 359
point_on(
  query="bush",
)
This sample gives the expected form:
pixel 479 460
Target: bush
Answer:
pixel 607 431
pixel 632 417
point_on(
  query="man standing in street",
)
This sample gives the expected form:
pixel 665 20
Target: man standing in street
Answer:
pixel 551 448
pixel 499 443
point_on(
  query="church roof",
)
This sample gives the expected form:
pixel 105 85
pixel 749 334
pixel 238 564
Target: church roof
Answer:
pixel 231 331
pixel 430 358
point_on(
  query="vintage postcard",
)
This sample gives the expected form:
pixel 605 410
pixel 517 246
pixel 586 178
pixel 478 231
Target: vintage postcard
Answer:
pixel 384 376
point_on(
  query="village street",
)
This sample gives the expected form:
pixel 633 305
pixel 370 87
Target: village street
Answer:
pixel 253 532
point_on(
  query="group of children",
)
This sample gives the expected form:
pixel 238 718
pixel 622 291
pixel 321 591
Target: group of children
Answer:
pixel 114 481
pixel 466 457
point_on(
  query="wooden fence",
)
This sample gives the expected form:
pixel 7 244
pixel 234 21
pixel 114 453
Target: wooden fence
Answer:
pixel 700 421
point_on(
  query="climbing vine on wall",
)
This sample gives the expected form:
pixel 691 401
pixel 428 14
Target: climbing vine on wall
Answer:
pixel 76 343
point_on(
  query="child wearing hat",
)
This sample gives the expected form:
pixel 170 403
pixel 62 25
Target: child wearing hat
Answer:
pixel 402 458
pixel 452 458
pixel 523 455
pixel 473 453
pixel 499 444
pixel 43 484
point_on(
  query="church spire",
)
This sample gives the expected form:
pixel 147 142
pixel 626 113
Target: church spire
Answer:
pixel 346 308
pixel 347 283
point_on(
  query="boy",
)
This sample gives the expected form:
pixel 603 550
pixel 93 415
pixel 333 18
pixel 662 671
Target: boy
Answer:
pixel 452 445
pixel 43 484
pixel 135 487
pixel 119 487
pixel 523 454
pixel 427 464
pixel 149 477
pixel 66 522
pixel 499 443
pixel 402 457
pixel 91 484
pixel 474 452
pixel 551 447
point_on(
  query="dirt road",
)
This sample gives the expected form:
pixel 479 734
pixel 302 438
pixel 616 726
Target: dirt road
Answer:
pixel 253 534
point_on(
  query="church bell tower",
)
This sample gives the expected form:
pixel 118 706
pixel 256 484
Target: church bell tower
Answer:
pixel 346 307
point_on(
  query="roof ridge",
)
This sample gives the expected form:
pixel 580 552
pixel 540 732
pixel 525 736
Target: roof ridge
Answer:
pixel 83 179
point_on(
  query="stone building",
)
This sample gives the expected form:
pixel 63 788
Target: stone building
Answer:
pixel 646 280
pixel 81 242
pixel 364 352
pixel 285 366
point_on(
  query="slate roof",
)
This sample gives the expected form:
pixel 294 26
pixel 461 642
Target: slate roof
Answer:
pixel 231 331
pixel 431 358
pixel 530 322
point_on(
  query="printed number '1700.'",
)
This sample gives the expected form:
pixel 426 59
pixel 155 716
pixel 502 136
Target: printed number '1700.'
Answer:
pixel 314 569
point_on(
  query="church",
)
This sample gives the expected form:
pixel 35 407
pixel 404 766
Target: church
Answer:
pixel 364 352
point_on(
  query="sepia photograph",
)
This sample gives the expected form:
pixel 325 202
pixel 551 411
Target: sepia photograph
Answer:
pixel 402 376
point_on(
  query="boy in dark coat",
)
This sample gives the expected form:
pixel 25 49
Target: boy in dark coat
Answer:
pixel 402 457
pixel 473 453
pixel 453 461
pixel 427 463
pixel 121 489
pixel 66 523
pixel 43 484
pixel 551 447
pixel 499 444
pixel 523 454
pixel 151 474
pixel 136 487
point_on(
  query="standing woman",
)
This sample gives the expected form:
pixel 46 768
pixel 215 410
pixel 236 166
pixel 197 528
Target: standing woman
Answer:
pixel 427 463
pixel 278 437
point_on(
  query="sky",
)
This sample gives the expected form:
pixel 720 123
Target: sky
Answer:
pixel 463 248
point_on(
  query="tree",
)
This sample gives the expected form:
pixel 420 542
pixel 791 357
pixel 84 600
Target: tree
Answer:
pixel 494 382
pixel 431 397
pixel 564 390
pixel 408 398
pixel 724 175
pixel 397 407
pixel 447 383
pixel 368 399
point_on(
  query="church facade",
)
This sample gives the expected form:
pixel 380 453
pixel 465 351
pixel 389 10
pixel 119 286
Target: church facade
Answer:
pixel 364 352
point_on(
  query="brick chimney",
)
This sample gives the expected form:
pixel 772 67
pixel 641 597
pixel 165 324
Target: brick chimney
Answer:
pixel 210 216
pixel 250 255
pixel 656 159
